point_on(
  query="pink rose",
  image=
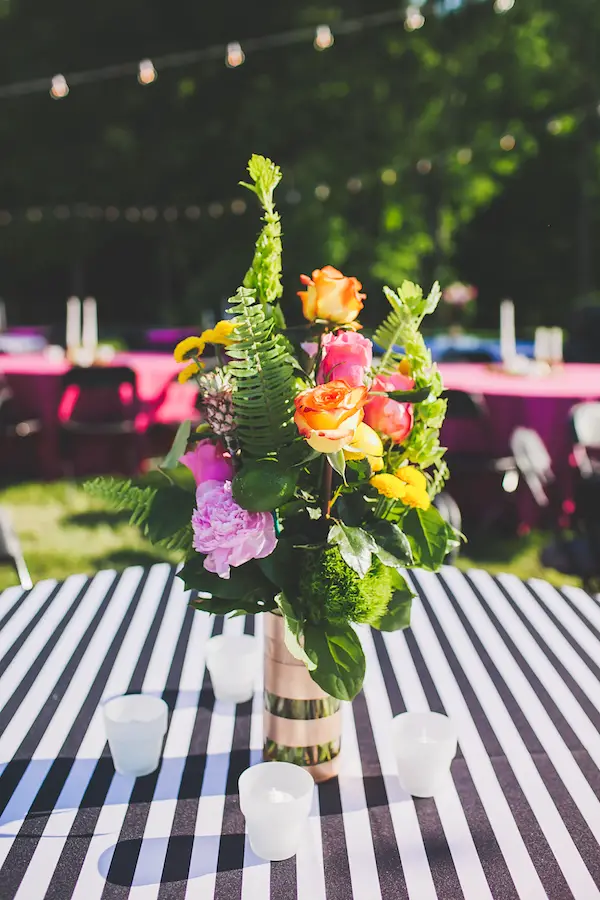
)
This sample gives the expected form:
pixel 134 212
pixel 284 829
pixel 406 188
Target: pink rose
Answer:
pixel 208 462
pixel 389 417
pixel 346 357
pixel 228 534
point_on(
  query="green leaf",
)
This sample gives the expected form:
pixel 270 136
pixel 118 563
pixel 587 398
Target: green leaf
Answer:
pixel 280 566
pixel 416 396
pixel 170 510
pixel 356 546
pixel 249 605
pixel 293 634
pixel 336 653
pixel 429 537
pixel 243 580
pixel 178 446
pixel 392 546
pixel 337 461
pixel 397 615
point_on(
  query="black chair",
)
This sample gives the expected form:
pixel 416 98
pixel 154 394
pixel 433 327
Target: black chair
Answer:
pixel 19 435
pixel 10 550
pixel 471 409
pixel 100 402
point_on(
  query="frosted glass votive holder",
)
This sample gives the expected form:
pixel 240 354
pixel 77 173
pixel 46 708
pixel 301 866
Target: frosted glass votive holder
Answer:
pixel 135 727
pixel 276 799
pixel 424 745
pixel 233 662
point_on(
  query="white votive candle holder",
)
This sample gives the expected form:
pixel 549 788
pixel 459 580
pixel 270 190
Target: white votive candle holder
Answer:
pixel 424 745
pixel 276 798
pixel 233 661
pixel 135 727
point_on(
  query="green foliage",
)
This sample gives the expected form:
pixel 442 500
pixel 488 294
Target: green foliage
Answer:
pixel 397 615
pixel 264 275
pixel 264 380
pixel 123 495
pixel 246 584
pixel 355 545
pixel 264 485
pixel 431 538
pixel 392 547
pixel 332 591
pixel 178 446
pixel 336 652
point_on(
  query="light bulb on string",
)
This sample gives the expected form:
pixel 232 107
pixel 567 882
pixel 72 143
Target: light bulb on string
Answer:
pixel 59 88
pixel 508 142
pixel 503 6
pixel 146 72
pixel 323 37
pixel 235 55
pixel 414 18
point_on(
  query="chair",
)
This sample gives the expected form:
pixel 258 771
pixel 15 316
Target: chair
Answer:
pixel 583 345
pixel 449 510
pixel 19 433
pixel 100 402
pixel 10 550
pixel 533 463
pixel 585 429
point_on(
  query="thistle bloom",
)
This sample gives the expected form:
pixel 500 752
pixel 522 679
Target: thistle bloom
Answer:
pixel 228 534
pixel 346 356
pixel 331 296
pixel 208 462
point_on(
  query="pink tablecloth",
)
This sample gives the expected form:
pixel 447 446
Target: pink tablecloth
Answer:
pixel 36 382
pixel 539 403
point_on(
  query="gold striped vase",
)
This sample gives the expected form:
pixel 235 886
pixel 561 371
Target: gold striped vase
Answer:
pixel 302 723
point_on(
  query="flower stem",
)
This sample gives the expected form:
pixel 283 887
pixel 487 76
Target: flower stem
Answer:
pixel 326 486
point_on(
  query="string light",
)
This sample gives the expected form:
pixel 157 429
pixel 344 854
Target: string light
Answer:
pixel 62 212
pixel 149 214
pixel 170 214
pixel 424 166
pixel 5 217
pixel 323 38
pixel 238 207
pixel 235 55
pixel 216 210
pixel 508 142
pixel 146 72
pixel 192 212
pixel 464 156
pixel 322 192
pixel 132 214
pixel 389 177
pixel 503 6
pixel 554 126
pixel 414 18
pixel 354 185
pixel 111 213
pixel 34 214
pixel 59 88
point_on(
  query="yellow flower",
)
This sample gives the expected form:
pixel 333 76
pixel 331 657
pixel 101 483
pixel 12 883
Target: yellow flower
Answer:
pixel 366 443
pixel 390 486
pixel 190 370
pixel 220 334
pixel 404 367
pixel 189 347
pixel 416 497
pixel 411 475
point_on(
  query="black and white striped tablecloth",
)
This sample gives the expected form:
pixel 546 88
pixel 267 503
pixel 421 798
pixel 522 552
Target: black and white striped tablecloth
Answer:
pixel 516 665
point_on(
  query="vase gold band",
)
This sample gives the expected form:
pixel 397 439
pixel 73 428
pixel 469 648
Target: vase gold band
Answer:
pixel 302 732
pixel 290 681
pixel 322 762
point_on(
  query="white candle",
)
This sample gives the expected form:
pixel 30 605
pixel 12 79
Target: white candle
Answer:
pixel 135 727
pixel 541 346
pixel 425 745
pixel 3 322
pixel 555 341
pixel 276 799
pixel 89 337
pixel 508 340
pixel 233 663
pixel 73 336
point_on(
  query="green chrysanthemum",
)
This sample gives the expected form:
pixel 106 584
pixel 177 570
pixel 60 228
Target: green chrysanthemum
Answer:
pixel 330 589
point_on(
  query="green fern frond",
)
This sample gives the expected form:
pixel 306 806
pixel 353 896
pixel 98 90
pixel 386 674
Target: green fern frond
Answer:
pixel 264 380
pixel 123 495
pixel 264 275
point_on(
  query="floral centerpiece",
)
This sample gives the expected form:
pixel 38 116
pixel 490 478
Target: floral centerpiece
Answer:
pixel 307 490
pixel 459 304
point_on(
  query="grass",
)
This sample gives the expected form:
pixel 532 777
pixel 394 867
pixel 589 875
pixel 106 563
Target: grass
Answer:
pixel 64 531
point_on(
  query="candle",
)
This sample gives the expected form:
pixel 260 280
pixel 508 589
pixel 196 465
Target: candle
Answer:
pixel 135 727
pixel 73 336
pixel 508 340
pixel 555 341
pixel 89 338
pixel 276 799
pixel 2 316
pixel 541 346
pixel 425 745
pixel 233 663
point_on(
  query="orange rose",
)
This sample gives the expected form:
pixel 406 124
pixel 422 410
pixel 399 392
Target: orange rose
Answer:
pixel 328 415
pixel 331 296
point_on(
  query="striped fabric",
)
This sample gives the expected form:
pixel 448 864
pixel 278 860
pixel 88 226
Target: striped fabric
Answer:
pixel 516 665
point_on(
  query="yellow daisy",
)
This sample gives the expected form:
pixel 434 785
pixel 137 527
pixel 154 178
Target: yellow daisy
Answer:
pixel 190 370
pixel 416 497
pixel 220 334
pixel 189 347
pixel 390 486
pixel 411 475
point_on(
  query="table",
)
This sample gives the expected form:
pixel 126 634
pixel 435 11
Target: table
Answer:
pixel 539 403
pixel 36 382
pixel 514 664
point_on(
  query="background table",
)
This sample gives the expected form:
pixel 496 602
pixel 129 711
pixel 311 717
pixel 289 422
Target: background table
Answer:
pixel 514 664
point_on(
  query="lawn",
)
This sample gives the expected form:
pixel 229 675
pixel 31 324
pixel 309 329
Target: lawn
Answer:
pixel 63 531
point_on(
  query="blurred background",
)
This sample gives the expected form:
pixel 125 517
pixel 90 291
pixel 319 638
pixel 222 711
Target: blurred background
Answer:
pixel 456 140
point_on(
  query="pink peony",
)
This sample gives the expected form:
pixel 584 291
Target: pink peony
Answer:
pixel 346 357
pixel 389 417
pixel 228 534
pixel 208 462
